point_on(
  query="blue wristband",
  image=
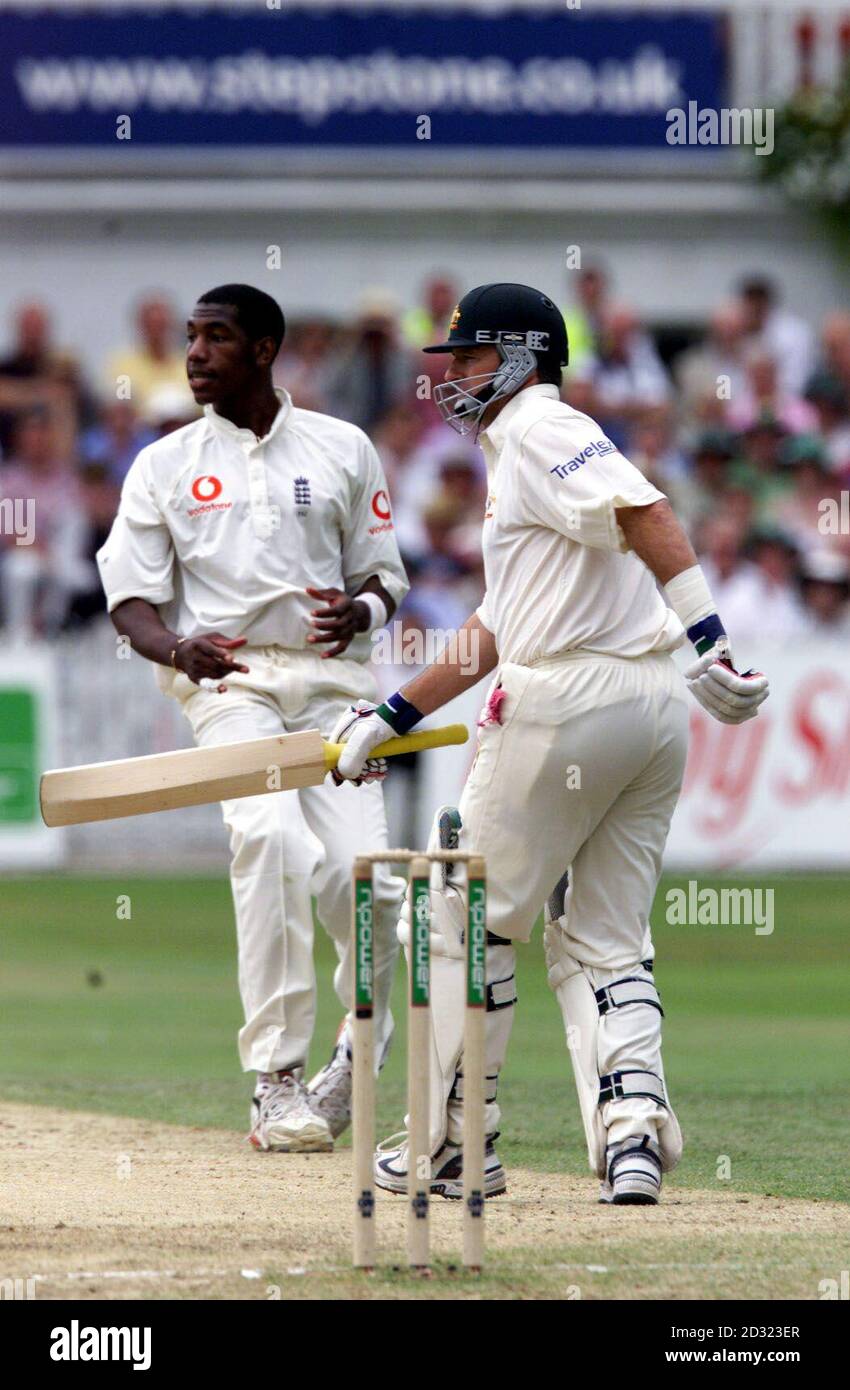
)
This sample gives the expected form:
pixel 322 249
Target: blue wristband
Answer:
pixel 706 633
pixel 399 713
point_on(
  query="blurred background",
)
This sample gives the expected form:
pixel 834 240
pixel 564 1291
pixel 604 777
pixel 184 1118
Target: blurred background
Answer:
pixel 366 164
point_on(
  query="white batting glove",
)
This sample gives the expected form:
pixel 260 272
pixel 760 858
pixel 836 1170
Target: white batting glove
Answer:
pixel 361 729
pixel 729 695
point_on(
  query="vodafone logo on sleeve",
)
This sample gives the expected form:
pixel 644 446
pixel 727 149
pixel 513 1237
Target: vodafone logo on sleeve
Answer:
pixel 381 508
pixel 207 490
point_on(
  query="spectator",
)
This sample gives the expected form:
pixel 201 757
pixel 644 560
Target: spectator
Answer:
pixel 155 360
pixel 627 375
pixel 99 494
pixel 829 400
pixel 373 372
pixel 799 511
pixel 584 320
pixel 825 592
pixel 301 365
pixel 756 470
pixel 443 595
pixel 781 334
pixel 652 448
pixel 777 613
pixel 37 375
pixel 761 395
pixel 397 438
pixel 835 347
pixel 709 477
pixel 734 581
pixel 428 321
pixel 37 579
pixel 115 440
pixel 712 373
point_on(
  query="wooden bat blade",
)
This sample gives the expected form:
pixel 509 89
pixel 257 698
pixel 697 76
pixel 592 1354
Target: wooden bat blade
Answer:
pixel 195 776
pixel 187 777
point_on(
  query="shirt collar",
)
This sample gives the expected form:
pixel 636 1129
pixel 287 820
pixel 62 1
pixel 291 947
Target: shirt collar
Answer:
pixel 227 427
pixel 494 435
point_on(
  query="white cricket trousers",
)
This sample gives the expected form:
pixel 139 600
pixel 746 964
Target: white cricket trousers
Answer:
pixel 579 765
pixel 287 846
pixel 583 771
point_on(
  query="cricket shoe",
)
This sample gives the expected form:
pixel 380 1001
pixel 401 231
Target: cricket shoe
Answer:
pixel 281 1118
pixel 446 1168
pixel 329 1092
pixel 633 1176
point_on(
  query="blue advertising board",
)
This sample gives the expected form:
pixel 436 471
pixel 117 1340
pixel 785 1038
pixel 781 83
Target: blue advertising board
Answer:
pixel 337 79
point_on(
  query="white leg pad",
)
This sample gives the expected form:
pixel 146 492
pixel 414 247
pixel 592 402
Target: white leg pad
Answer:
pixel 613 1026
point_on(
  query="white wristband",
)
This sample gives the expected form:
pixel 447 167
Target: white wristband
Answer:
pixel 690 597
pixel 376 607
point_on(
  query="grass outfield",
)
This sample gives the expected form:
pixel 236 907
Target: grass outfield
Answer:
pixel 138 1017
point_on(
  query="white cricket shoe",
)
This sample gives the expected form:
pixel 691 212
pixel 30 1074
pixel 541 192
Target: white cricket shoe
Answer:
pixel 446 1168
pixel 633 1176
pixel 329 1092
pixel 281 1118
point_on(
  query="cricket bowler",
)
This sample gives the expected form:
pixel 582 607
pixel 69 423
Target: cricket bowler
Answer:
pixel 252 555
pixel 590 585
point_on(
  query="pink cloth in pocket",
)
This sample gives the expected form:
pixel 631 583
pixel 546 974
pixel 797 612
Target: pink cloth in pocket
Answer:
pixel 493 708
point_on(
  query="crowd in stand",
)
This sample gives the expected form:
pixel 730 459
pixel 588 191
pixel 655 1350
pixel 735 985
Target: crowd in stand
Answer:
pixel 747 431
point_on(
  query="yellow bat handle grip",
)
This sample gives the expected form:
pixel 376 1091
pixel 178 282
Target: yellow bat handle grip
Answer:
pixel 406 743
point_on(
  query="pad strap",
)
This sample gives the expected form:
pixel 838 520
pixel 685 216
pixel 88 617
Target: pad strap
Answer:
pixel 491 1086
pixel 620 1085
pixel 501 994
pixel 630 990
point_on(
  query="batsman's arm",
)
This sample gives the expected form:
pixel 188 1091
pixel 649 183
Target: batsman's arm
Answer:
pixel 656 536
pixel 469 655
pixel 461 664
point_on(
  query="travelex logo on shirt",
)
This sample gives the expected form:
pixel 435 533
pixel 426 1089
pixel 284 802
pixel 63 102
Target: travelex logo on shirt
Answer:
pixel 597 449
pixel 206 490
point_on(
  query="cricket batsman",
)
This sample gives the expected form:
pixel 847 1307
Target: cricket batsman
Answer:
pixel 252 555
pixel 590 585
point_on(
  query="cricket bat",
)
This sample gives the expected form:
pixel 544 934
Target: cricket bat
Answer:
pixel 194 776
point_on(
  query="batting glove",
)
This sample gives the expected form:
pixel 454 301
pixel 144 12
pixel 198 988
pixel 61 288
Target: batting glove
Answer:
pixel 361 729
pixel 729 695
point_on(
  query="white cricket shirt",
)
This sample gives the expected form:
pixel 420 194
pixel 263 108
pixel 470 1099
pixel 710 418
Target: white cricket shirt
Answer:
pixel 222 531
pixel 559 574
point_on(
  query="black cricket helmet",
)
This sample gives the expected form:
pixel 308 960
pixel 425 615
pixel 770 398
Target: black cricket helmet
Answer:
pixel 526 327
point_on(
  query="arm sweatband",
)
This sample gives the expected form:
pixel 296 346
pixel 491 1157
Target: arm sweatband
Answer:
pixel 399 713
pixel 690 598
pixel 377 608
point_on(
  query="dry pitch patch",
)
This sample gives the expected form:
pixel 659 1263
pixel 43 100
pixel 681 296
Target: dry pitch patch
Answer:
pixel 95 1206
